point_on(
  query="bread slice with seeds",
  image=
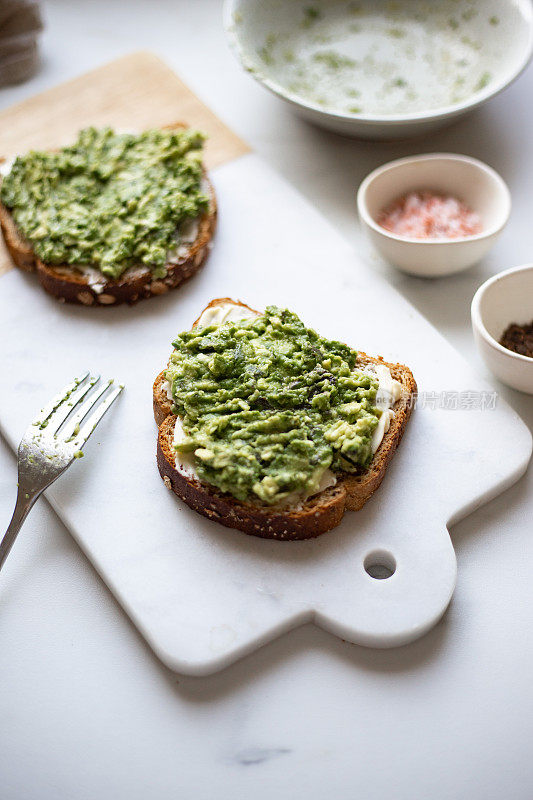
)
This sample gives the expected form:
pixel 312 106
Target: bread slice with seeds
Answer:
pixel 309 519
pixel 88 286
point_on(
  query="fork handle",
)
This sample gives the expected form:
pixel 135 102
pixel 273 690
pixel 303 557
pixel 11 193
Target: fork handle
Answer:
pixel 22 507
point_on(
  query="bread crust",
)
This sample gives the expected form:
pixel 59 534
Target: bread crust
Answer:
pixel 317 516
pixel 314 517
pixel 70 285
pixel 161 401
pixel 18 248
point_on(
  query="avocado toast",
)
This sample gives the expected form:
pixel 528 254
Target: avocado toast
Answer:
pixel 112 218
pixel 266 427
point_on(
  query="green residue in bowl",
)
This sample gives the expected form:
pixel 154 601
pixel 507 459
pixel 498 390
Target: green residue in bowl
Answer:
pixel 301 88
pixel 266 56
pixel 266 52
pixel 483 81
pixel 469 42
pixel 334 60
pixel 311 15
pixel 409 57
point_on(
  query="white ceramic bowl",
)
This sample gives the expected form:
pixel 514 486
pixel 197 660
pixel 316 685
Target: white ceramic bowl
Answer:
pixel 505 299
pixel 394 89
pixel 468 179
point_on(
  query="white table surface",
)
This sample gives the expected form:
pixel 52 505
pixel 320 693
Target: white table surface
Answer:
pixel 87 711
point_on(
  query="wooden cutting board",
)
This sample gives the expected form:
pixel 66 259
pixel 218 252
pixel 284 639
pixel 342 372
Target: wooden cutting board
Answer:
pixel 135 92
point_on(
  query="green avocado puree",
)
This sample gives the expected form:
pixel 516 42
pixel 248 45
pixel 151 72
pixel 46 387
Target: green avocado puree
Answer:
pixel 109 200
pixel 267 405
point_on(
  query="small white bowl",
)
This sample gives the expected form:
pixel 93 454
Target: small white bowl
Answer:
pixel 468 179
pixel 479 50
pixel 505 299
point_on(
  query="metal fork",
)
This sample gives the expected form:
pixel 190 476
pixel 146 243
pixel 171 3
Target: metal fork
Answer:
pixel 54 440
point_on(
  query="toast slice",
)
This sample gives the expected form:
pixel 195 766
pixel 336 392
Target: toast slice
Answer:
pixel 316 515
pixel 88 286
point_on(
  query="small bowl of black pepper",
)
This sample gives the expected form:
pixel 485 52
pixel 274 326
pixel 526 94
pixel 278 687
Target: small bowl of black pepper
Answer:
pixel 519 339
pixel 502 321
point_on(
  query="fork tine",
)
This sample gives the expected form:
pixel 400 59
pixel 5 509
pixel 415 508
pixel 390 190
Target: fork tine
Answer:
pixel 63 412
pixel 70 429
pixel 93 419
pixel 60 398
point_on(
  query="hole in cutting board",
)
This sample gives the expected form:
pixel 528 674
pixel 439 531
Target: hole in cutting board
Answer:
pixel 380 564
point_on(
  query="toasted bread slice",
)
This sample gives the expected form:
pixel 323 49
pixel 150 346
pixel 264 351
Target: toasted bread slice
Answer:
pixel 310 519
pixel 88 286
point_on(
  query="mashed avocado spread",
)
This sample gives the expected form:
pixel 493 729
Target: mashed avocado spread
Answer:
pixel 267 405
pixel 109 200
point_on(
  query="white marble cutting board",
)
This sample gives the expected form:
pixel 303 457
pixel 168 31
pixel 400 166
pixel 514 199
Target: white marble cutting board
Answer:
pixel 204 595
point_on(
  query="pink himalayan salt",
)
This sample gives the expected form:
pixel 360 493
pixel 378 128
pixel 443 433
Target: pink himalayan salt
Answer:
pixel 425 215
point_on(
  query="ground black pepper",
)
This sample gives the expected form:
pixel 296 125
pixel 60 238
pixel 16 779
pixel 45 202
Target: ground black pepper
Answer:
pixel 519 339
